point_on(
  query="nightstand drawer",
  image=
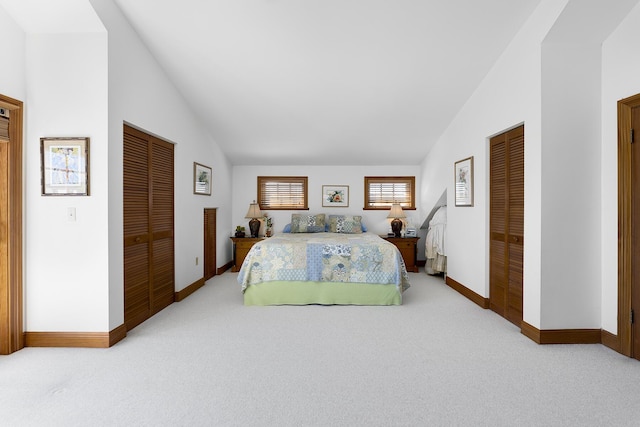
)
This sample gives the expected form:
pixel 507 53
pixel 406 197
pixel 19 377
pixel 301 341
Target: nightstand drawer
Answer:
pixel 404 245
pixel 245 245
pixel 408 249
pixel 241 247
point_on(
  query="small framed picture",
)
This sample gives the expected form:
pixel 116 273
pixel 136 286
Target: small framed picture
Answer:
pixel 201 179
pixel 463 171
pixel 64 166
pixel 335 196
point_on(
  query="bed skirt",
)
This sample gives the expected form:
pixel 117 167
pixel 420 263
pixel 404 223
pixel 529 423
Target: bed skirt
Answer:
pixel 325 293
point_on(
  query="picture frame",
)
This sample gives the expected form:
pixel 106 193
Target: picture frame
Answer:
pixel 335 196
pixel 463 178
pixel 201 179
pixel 64 166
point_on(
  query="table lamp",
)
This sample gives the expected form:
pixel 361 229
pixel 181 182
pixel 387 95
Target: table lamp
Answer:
pixel 254 213
pixel 396 213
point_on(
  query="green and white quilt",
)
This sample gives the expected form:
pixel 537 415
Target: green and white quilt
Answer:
pixel 324 257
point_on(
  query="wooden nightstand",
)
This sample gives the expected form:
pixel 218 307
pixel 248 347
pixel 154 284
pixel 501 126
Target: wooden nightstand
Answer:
pixel 241 246
pixel 408 247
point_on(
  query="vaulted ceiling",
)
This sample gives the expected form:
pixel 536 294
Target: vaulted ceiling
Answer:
pixel 327 81
pixel 323 82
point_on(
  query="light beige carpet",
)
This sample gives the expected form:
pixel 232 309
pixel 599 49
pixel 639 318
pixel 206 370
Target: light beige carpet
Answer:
pixel 438 360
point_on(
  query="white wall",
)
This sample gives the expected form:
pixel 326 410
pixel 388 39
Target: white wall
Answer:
pixel 141 94
pixel 572 120
pixel 245 191
pixel 89 84
pixel 45 73
pixel 13 81
pixel 553 86
pixel 509 96
pixel 67 276
pixel 620 71
pixel 570 186
pixel 12 61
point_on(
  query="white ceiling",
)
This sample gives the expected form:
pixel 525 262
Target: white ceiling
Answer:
pixel 53 16
pixel 326 82
pixel 322 82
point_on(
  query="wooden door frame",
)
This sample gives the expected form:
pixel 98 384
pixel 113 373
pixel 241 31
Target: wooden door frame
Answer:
pixel 11 305
pixel 150 235
pixel 624 222
pixel 508 171
pixel 206 255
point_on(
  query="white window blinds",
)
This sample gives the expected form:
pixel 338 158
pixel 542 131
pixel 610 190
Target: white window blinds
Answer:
pixel 282 192
pixel 4 124
pixel 382 192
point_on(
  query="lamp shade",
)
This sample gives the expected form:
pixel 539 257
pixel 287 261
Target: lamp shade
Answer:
pixel 254 211
pixel 396 211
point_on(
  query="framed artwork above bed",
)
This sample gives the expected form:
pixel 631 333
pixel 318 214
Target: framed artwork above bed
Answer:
pixel 335 196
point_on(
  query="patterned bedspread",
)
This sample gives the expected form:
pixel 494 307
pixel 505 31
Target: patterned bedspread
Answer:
pixel 328 257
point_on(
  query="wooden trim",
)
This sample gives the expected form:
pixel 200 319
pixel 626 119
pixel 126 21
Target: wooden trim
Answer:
pixel 506 222
pixel 210 242
pixel 610 340
pixel 224 268
pixel 75 339
pixel 148 225
pixel 550 336
pixel 530 332
pixel 478 299
pixel 571 336
pixel 561 336
pixel 67 339
pixel 182 294
pixel 624 222
pixel 117 335
pixel 11 298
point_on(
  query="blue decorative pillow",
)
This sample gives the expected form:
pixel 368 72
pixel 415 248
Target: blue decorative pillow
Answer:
pixel 348 224
pixel 302 223
pixel 287 228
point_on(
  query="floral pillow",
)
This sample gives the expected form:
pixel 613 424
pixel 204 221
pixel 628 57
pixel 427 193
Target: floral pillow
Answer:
pixel 348 224
pixel 301 223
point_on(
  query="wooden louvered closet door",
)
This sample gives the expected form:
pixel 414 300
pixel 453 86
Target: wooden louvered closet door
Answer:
pixel 149 270
pixel 507 224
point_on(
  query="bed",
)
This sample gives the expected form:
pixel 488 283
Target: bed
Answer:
pixel 310 265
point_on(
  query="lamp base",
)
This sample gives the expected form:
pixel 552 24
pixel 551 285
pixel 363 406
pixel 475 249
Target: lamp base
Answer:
pixel 254 226
pixel 396 226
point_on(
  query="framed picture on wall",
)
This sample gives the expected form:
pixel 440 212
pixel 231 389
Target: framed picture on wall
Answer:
pixel 335 196
pixel 463 171
pixel 64 166
pixel 201 179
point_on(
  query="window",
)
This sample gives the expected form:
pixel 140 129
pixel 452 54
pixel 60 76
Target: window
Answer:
pixel 282 192
pixel 382 191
